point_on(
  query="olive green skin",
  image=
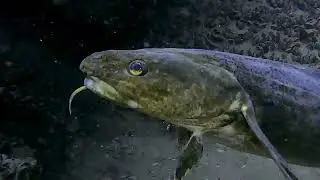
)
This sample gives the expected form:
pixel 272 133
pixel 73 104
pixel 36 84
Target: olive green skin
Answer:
pixel 182 87
pixel 176 88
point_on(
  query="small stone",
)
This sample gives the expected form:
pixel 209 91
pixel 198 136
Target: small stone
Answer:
pixel 146 44
pixel 155 164
pixel 240 25
pixel 8 63
pixel 27 98
pixel 42 141
pixel 2 90
pixel 220 150
pixel 309 25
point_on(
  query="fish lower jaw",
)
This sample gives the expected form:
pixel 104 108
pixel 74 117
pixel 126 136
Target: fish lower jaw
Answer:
pixel 107 91
pixel 101 88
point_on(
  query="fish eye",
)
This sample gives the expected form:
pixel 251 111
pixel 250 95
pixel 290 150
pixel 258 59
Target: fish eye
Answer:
pixel 137 68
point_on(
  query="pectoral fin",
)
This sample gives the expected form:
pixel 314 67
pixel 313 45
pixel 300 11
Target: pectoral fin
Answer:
pixel 191 154
pixel 183 137
pixel 249 114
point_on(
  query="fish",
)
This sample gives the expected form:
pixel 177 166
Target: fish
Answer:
pixel 254 105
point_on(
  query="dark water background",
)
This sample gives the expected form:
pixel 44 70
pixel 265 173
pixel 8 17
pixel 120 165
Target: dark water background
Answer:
pixel 43 42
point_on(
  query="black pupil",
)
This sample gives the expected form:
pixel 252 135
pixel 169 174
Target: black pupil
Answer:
pixel 136 66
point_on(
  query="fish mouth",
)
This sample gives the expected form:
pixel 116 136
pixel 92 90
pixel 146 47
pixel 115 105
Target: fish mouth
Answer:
pixel 98 87
pixel 101 88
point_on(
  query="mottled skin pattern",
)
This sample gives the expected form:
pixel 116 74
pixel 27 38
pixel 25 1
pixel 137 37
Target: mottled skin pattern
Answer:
pixel 200 91
pixel 177 91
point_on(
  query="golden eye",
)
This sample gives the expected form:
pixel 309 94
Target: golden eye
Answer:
pixel 137 68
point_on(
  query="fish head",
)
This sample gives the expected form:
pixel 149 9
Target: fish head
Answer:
pixel 160 83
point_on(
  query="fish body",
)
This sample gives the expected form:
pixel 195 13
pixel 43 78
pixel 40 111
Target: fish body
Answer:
pixel 231 96
pixel 286 98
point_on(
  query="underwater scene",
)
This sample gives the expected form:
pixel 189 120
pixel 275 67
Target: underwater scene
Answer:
pixel 160 90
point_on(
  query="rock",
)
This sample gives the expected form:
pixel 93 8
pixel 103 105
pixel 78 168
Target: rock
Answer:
pixel 249 52
pixel 276 3
pixel 265 48
pixel 283 56
pixel 248 35
pixel 240 25
pixel 59 2
pixel 309 25
pixel 317 45
pixel 15 166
